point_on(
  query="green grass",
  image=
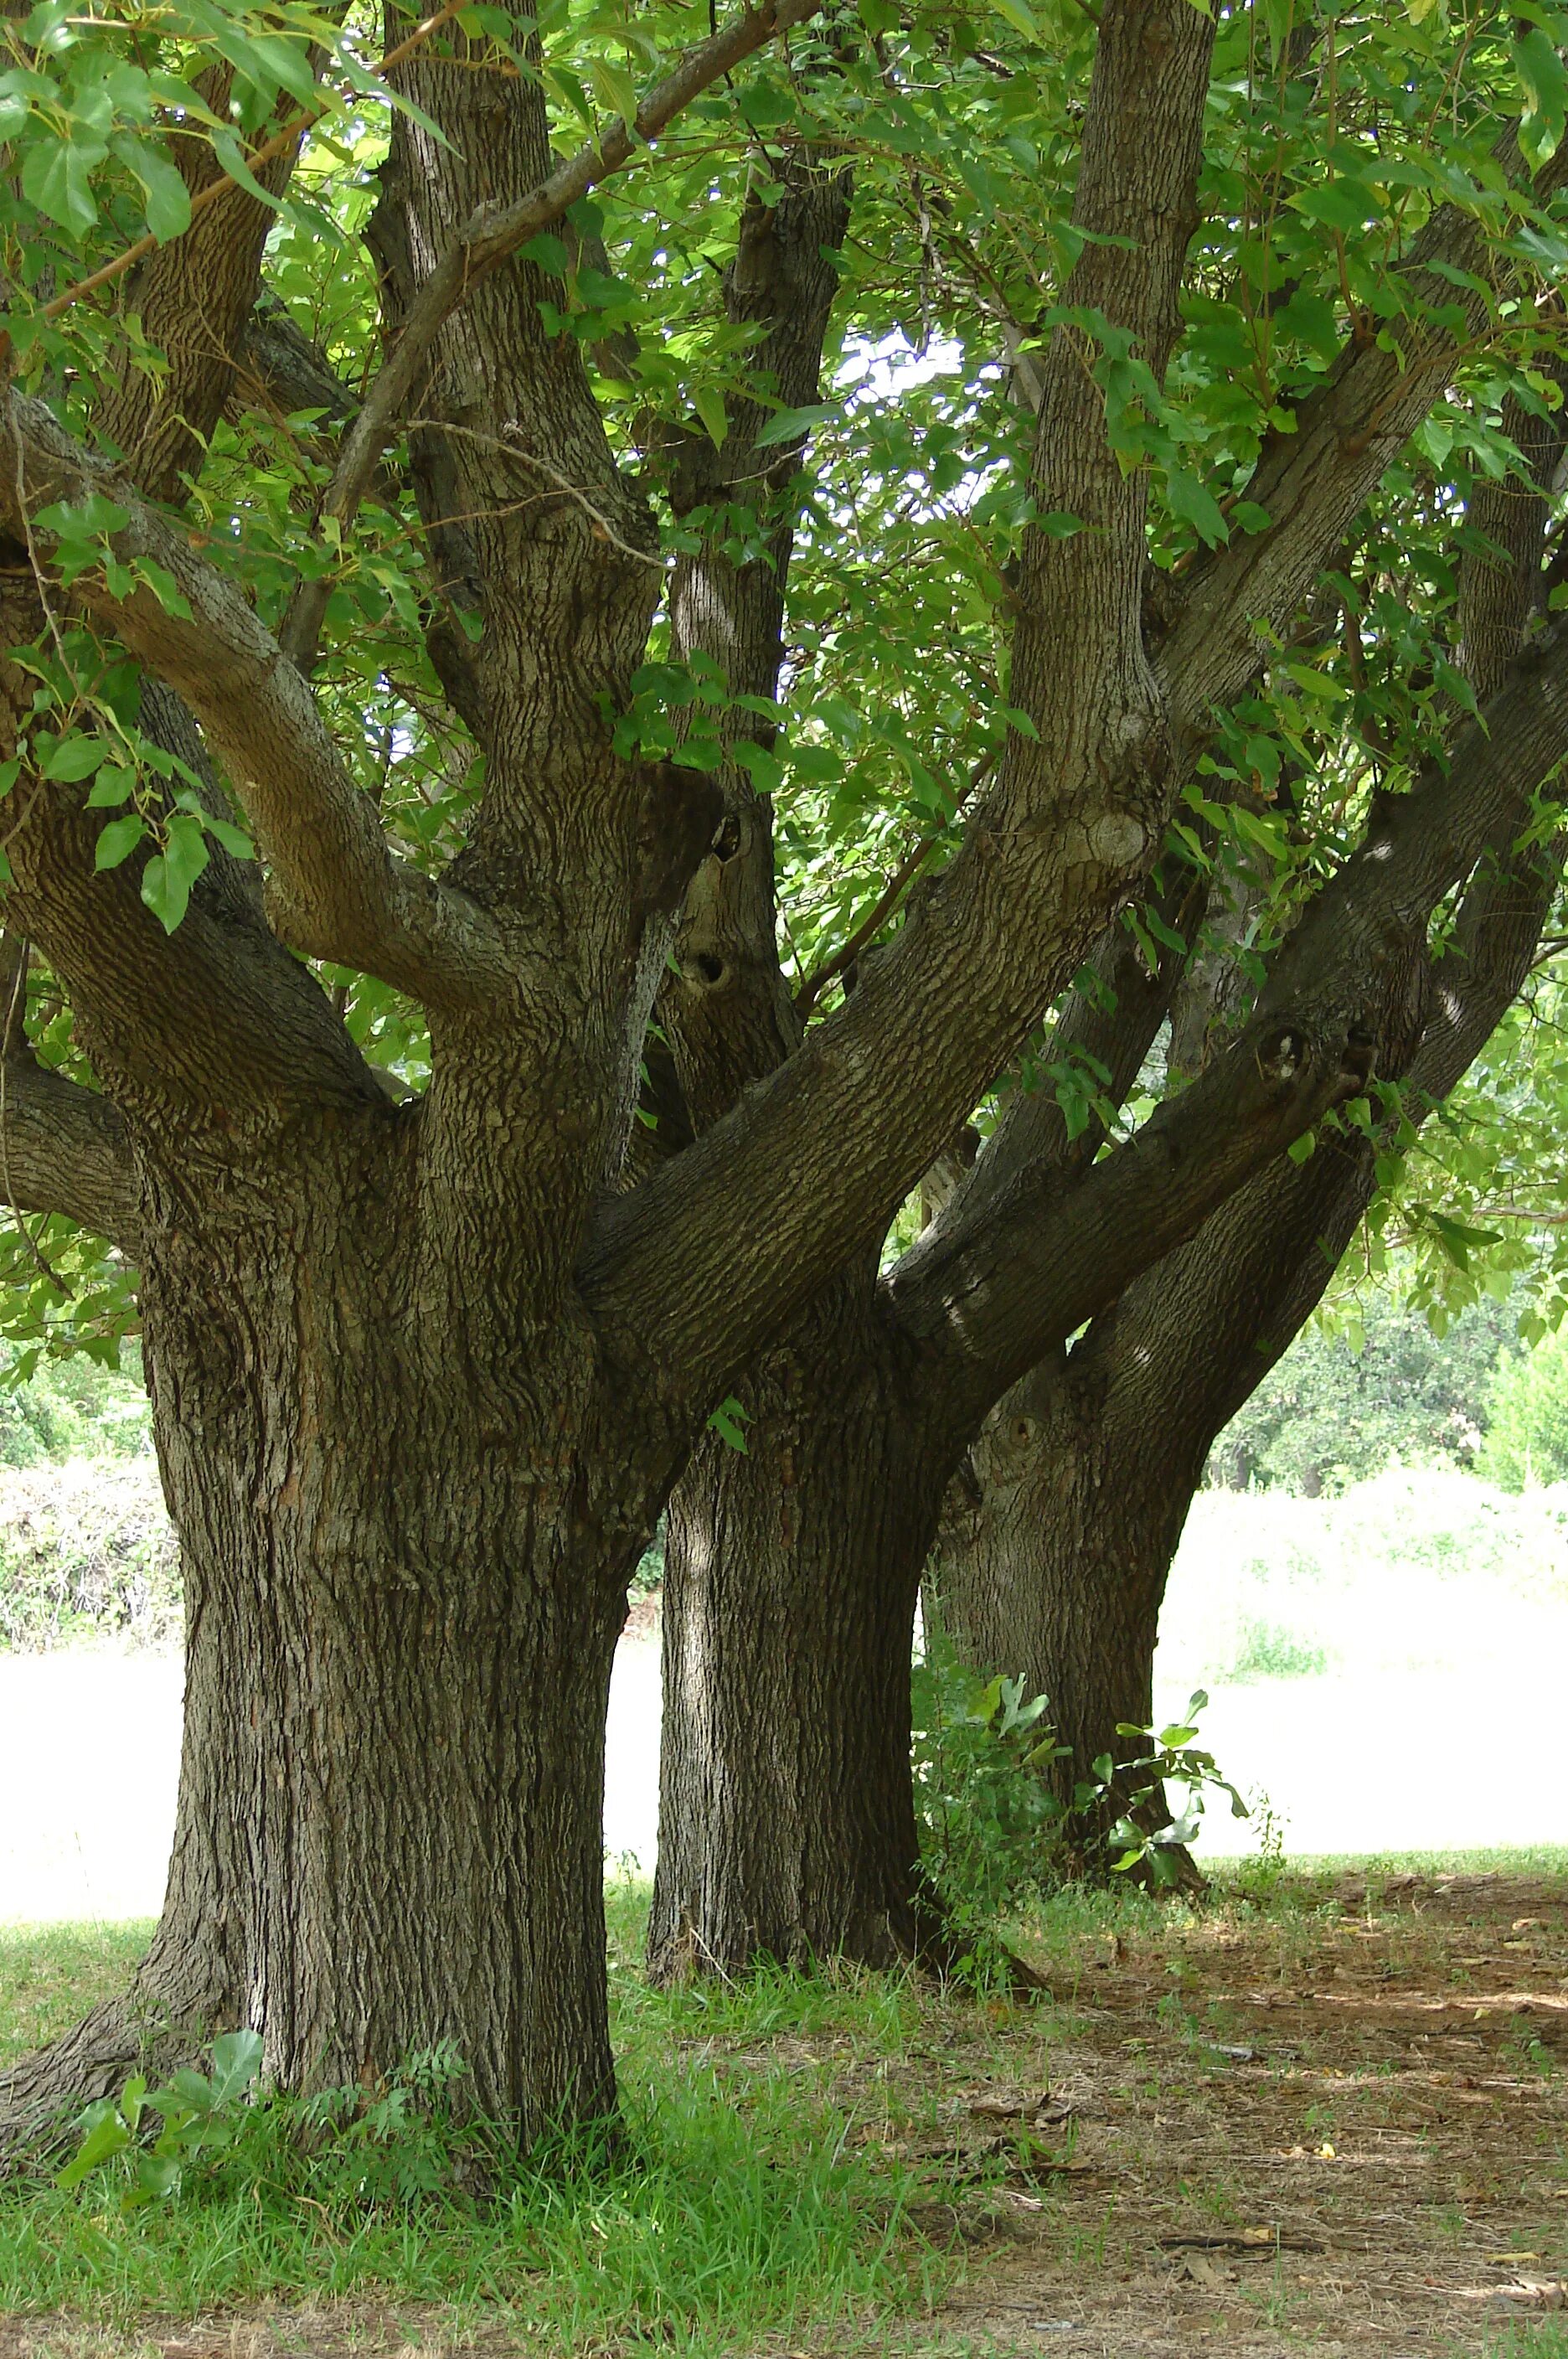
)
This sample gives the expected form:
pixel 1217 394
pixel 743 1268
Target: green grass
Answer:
pixel 741 2208
pixel 51 1975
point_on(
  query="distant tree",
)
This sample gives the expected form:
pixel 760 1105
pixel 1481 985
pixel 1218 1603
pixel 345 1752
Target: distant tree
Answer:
pixel 1335 1408
pixel 1526 1416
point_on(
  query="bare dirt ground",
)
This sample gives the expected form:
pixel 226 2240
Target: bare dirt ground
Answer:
pixel 1344 2130
pixel 1336 2123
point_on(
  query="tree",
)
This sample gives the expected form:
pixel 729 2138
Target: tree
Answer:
pixel 1058 1549
pixel 791 1571
pixel 359 971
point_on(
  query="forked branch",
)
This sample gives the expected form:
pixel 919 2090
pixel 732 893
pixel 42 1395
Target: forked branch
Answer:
pixel 486 239
pixel 335 890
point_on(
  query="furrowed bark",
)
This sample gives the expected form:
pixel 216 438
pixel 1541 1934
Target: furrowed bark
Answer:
pixel 1074 819
pixel 1057 1539
pixel 63 1149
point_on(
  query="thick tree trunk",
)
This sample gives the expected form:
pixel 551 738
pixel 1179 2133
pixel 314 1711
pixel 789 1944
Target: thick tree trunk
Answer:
pixel 787 1823
pixel 402 1606
pixel 1052 1563
pixel 1057 1571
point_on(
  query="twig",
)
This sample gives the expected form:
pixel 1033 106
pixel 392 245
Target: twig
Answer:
pixel 542 466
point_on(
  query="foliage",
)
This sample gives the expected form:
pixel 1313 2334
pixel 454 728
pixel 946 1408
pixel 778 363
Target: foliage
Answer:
pixel 199 2119
pixel 68 1407
pixel 87 1550
pixel 1413 1569
pixel 1142 1838
pixel 1527 1417
pixel 964 140
pixel 1339 1405
pixel 990 1828
pixel 995 1835
pixel 1270 1651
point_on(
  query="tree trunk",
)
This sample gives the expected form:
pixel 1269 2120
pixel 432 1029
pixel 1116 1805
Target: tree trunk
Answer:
pixel 1052 1563
pixel 787 1825
pixel 402 1601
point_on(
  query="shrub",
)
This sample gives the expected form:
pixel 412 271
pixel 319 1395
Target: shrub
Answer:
pixel 1267 1650
pixel 86 1550
pixel 1526 1416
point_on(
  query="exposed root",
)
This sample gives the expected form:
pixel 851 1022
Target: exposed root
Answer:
pixel 42 2094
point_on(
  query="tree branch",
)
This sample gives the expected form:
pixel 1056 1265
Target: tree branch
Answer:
pixel 1312 482
pixel 66 1150
pixel 493 232
pixel 335 890
pixel 816 1158
pixel 990 1301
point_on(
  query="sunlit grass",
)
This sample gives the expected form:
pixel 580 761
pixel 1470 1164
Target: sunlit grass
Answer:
pixel 735 2209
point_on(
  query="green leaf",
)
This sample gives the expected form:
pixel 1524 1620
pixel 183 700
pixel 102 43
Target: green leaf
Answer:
pixel 615 90
pixel 106 2136
pixel 1541 71
pixel 115 784
pixel 727 1422
pixel 1347 204
pixel 1020 17
pixel 236 2060
pixel 232 839
pixel 167 198
pixel 169 874
pixel 709 404
pixel 1197 505
pixel 787 425
pixel 57 177
pixel 119 839
pixel 158 2178
pixel 73 758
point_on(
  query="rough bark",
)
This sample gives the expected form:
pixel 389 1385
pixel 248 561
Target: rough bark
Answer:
pixel 421 1378
pixel 389 1822
pixel 1050 1564
pixel 1058 1538
pixel 786 1816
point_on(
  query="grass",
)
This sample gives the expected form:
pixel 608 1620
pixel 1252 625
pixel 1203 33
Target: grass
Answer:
pixel 740 2210
pixel 1326 2109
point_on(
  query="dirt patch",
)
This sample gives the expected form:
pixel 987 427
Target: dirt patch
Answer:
pixel 329 2331
pixel 1344 2128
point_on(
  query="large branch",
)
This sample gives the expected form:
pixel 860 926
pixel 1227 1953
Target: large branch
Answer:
pixel 1356 969
pixel 336 891
pixel 1191 1339
pixel 492 234
pixel 988 1302
pixel 62 1149
pixel 1194 1336
pixel 813 1161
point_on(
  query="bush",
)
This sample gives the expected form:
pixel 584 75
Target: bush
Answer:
pixel 1326 1416
pixel 1527 1417
pixel 1265 1650
pixel 87 1550
pixel 990 1828
pixel 71 1408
